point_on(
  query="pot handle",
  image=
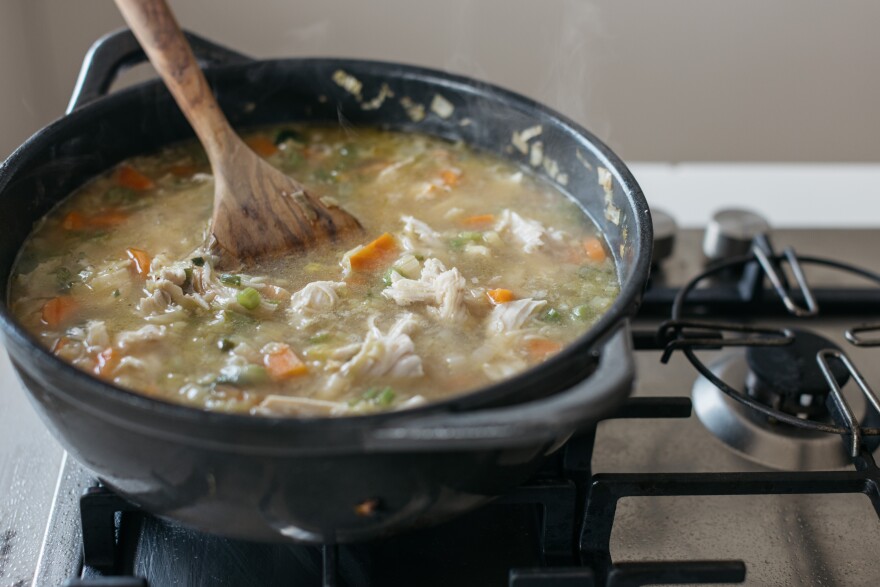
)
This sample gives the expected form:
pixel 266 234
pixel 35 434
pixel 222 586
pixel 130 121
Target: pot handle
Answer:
pixel 117 51
pixel 540 421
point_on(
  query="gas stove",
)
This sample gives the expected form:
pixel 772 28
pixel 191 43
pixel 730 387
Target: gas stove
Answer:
pixel 744 456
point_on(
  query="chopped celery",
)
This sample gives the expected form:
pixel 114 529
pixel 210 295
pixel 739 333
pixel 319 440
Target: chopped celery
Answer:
pixel 230 279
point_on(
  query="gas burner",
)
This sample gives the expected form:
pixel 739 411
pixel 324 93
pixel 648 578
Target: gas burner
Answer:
pixel 788 378
pixel 785 378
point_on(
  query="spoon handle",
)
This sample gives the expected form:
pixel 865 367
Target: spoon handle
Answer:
pixel 155 27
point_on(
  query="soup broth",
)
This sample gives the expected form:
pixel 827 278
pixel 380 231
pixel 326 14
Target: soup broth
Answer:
pixel 469 271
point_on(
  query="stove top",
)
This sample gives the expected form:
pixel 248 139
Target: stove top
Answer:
pixel 686 485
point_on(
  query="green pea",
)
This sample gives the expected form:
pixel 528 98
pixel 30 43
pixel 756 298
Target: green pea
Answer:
pixel 249 298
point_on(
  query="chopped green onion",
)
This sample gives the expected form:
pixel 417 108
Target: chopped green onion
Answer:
pixel 116 293
pixel 581 312
pixel 370 394
pixel 376 396
pixel 386 278
pixel 225 344
pixel 198 261
pixel 320 338
pixel 249 298
pixel 552 315
pixel 465 238
pixel 385 397
pixel 230 279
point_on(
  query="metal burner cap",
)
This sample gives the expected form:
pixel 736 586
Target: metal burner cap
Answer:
pixel 792 370
pixel 759 438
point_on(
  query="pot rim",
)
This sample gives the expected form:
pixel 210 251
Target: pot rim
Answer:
pixel 624 306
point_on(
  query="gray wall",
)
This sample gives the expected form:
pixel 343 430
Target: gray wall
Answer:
pixel 671 80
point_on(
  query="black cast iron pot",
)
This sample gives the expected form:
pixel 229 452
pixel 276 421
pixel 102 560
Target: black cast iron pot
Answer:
pixel 303 479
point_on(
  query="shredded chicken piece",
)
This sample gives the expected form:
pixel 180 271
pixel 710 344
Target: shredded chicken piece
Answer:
pixel 145 334
pixel 511 316
pixel 315 298
pixel 300 406
pixel 445 289
pixel 414 401
pixel 418 235
pixel 527 232
pixel 96 337
pixel 472 249
pixel 130 364
pixel 390 354
pixel 165 286
pixel 502 367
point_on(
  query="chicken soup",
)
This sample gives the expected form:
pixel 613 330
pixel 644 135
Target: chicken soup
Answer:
pixel 469 271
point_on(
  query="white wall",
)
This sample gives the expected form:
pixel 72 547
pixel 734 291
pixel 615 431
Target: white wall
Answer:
pixel 672 80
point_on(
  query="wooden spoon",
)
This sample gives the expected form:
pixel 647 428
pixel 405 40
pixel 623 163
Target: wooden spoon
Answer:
pixel 259 212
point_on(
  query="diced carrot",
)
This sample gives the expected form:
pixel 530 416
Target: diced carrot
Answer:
pixel 500 296
pixel 107 361
pixel 374 255
pixel 261 146
pixel 73 221
pixel 129 177
pixel 141 261
pixel 183 170
pixel 106 219
pixel 284 364
pixel 450 178
pixel 58 310
pixel 76 221
pixel 594 250
pixel 478 221
pixel 541 348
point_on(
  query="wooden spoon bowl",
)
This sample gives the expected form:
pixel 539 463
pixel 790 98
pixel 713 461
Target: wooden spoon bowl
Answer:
pixel 259 212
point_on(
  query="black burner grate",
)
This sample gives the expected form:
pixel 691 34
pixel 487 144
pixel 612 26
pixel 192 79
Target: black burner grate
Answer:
pixel 545 512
